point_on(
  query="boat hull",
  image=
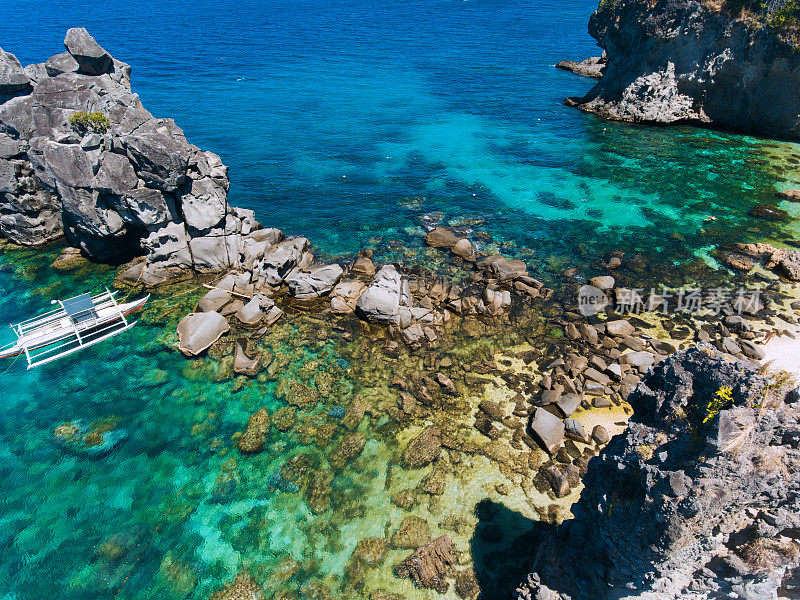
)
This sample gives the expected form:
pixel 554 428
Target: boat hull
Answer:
pixel 41 341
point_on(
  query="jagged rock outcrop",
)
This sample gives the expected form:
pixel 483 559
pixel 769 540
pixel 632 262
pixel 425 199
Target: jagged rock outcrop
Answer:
pixel 127 186
pixel 698 499
pixel 730 64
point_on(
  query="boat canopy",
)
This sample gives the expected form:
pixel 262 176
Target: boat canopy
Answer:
pixel 78 323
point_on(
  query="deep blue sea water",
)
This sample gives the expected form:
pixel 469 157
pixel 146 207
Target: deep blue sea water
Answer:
pixel 346 121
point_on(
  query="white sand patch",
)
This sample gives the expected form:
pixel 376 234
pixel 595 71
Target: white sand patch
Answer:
pixel 783 354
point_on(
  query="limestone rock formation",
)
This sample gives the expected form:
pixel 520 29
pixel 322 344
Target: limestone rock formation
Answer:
pixel 81 157
pixel 698 499
pixel 730 64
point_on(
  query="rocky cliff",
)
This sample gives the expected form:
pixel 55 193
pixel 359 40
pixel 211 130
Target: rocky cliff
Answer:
pixel 724 63
pixel 698 499
pixel 81 157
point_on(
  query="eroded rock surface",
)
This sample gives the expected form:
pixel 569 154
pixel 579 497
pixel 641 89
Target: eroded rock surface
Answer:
pixel 131 186
pixel 683 504
pixel 693 61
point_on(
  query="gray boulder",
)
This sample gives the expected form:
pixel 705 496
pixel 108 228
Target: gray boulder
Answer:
pixel 789 265
pixel 12 76
pixel 91 58
pixel 547 429
pixel 61 63
pixel 316 282
pixel 382 300
pixel 198 331
pixel 501 268
pixel 345 295
pixel 282 258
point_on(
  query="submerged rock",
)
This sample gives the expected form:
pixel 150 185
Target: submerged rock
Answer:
pixel 256 434
pixel 413 533
pixel 423 449
pixel 429 566
pixel 768 213
pixel 243 587
pixel 349 448
pixel 94 440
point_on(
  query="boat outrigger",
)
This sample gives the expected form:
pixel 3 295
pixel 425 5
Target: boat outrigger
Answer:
pixel 78 323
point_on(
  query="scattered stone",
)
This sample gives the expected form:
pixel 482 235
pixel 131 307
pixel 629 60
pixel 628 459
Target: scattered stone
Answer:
pixel 619 328
pixel 601 402
pixel 547 429
pixel 568 404
pixel 600 435
pixel 575 431
pixel 603 282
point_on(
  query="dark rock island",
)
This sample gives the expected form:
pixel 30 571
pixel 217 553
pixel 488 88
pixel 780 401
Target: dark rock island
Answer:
pixel 729 64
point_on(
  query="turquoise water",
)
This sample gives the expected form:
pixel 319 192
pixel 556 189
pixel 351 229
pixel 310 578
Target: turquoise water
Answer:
pixel 348 122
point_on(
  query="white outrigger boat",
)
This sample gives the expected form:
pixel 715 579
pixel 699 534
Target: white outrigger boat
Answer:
pixel 78 323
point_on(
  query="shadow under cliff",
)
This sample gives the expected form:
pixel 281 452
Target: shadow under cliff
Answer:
pixel 503 547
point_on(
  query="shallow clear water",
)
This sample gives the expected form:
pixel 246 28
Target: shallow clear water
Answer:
pixel 345 121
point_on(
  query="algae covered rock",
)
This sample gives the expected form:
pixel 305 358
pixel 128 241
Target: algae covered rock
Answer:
pixel 371 551
pixel 423 449
pixel 412 533
pixel 429 566
pixel 96 439
pixel 284 418
pixel 243 587
pixel 349 448
pixel 257 433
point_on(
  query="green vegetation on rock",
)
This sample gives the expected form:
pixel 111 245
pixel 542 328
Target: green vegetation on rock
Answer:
pixel 85 122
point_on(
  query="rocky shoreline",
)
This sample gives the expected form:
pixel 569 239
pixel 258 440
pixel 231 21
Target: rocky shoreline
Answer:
pixel 492 375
